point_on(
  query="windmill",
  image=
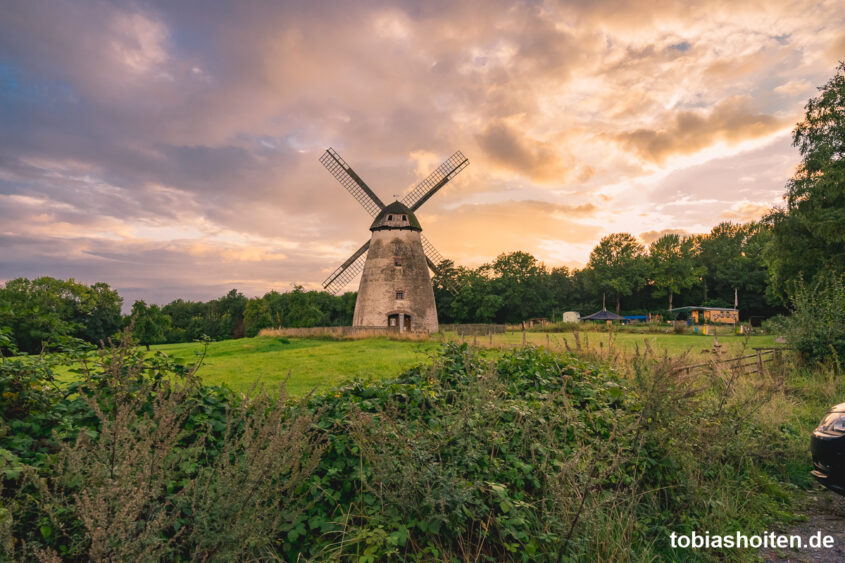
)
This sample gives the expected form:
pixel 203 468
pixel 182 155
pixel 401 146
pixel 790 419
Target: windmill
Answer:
pixel 395 288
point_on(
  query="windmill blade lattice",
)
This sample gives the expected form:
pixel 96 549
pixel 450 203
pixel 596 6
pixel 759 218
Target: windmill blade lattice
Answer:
pixel 347 271
pixel 436 180
pixel 434 260
pixel 352 182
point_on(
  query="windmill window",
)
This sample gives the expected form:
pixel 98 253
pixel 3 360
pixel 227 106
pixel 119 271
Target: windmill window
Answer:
pixel 400 294
pixel 404 217
pixel 397 261
pixel 390 217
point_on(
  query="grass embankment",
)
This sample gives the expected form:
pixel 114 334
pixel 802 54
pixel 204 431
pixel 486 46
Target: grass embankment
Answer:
pixel 310 363
pixel 318 364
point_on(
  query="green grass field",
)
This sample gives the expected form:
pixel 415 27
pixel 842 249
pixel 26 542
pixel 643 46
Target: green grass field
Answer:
pixel 322 364
pixel 311 363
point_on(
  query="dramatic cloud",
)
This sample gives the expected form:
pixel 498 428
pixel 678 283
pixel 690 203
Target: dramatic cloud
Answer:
pixel 508 150
pixel 171 148
pixel 731 120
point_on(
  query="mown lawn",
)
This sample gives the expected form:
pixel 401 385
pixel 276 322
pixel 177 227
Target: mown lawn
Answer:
pixel 311 363
pixel 324 363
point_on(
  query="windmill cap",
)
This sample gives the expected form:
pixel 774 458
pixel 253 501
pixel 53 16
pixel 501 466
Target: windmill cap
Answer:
pixel 396 216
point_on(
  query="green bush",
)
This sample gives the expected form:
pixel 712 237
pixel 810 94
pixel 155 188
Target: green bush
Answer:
pixel 816 327
pixel 136 460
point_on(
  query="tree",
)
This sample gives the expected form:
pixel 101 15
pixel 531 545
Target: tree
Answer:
pixel 151 324
pixel 187 320
pixel 520 281
pixel 733 266
pixel 673 265
pixel 474 302
pixel 38 312
pixel 618 266
pixel 808 235
pixel 816 327
pixel 100 313
pixel 46 310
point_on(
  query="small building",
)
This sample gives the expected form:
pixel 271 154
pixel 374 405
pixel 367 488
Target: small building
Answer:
pixel 707 315
pixel 571 317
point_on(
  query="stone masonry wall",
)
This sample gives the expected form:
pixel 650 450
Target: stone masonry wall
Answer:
pixel 381 279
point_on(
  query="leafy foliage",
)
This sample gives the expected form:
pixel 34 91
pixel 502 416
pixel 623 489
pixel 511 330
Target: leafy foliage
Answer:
pixel 149 324
pixel 298 308
pixel 45 311
pixel 816 327
pixel 673 264
pixel 528 457
pixel 808 236
pixel 618 266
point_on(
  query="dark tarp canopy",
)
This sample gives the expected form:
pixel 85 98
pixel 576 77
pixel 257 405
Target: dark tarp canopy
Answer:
pixel 603 315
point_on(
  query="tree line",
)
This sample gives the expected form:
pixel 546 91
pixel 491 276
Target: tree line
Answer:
pixel 622 274
pixel 704 269
pixel 48 311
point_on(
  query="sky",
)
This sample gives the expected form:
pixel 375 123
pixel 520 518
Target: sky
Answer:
pixel 171 149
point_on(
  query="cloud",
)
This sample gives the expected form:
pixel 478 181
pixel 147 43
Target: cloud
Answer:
pixel 649 237
pixel 794 87
pixel 476 233
pixel 685 132
pixel 836 52
pixel 745 211
pixel 510 150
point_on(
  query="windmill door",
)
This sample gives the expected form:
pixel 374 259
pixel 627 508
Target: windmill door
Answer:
pixel 400 321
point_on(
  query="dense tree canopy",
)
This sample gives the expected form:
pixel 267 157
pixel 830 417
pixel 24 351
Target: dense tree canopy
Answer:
pixel 808 236
pixel 673 264
pixel 617 266
pixel 149 324
pixel 44 311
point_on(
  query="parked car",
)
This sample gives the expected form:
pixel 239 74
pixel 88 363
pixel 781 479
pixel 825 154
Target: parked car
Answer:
pixel 828 447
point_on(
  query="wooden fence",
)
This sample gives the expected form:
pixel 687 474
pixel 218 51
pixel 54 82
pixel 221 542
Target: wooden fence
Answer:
pixel 474 329
pixel 749 363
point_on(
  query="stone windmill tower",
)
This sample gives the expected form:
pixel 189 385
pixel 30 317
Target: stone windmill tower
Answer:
pixel 395 288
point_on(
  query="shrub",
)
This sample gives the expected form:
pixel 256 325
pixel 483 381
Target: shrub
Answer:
pixel 816 327
pixel 136 460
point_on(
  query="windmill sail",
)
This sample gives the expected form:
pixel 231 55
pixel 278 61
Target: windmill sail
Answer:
pixel 352 182
pixel 436 180
pixel 433 257
pixel 347 271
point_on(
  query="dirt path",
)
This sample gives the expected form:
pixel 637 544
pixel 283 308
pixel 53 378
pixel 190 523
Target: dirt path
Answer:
pixel 826 513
